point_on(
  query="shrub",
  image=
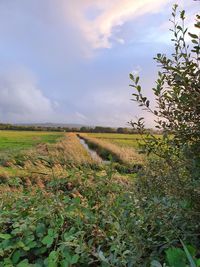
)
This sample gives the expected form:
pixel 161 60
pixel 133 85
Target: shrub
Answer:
pixel 171 177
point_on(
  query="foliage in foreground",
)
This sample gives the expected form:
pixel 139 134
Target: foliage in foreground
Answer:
pixel 173 171
pixel 86 219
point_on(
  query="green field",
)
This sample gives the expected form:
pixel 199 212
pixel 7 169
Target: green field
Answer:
pixel 15 141
pixel 125 140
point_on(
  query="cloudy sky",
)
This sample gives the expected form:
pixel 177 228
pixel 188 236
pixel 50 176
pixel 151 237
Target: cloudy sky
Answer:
pixel 69 60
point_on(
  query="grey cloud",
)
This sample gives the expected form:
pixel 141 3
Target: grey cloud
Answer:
pixel 21 99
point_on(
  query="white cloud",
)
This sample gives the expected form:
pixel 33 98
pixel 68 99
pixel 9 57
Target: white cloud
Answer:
pixel 111 14
pixel 21 100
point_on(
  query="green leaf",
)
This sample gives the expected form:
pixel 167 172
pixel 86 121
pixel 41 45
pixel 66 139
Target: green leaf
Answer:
pixel 65 263
pixel 52 259
pixel 138 88
pixel 5 236
pixel 74 259
pixel 40 229
pixel 194 42
pixel 23 263
pixel 48 240
pixel 182 14
pixel 16 256
pixel 176 257
pixel 194 36
pixel 198 263
pixel 51 232
pixel 192 250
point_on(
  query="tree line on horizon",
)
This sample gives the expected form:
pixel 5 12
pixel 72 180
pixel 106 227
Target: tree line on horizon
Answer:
pixel 83 129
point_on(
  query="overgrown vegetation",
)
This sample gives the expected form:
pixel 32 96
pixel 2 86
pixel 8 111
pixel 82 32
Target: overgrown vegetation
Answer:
pixel 172 177
pixel 65 210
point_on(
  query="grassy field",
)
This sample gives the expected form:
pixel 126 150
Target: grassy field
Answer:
pixel 126 140
pixel 15 141
pixel 123 140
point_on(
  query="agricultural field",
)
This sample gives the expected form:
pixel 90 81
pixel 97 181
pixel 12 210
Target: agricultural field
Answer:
pixel 15 141
pixel 126 140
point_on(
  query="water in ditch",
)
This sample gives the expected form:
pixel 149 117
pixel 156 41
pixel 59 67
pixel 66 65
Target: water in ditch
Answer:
pixel 92 152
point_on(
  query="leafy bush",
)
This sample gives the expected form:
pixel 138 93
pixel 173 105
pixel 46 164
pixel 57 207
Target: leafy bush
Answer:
pixel 171 177
pixel 77 220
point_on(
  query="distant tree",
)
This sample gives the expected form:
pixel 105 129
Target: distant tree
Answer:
pixel 85 129
pixel 120 130
pixel 101 129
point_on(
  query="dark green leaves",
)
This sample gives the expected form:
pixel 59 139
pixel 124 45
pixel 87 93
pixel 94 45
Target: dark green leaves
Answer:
pixel 182 14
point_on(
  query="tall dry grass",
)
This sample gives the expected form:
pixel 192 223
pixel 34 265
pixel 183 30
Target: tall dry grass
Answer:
pixel 58 157
pixel 72 150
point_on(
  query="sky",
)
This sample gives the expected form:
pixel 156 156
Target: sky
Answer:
pixel 68 61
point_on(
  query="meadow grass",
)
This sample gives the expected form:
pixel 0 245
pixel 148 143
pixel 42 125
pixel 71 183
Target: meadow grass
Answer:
pixel 123 140
pixel 18 140
pixel 126 140
pixel 115 136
